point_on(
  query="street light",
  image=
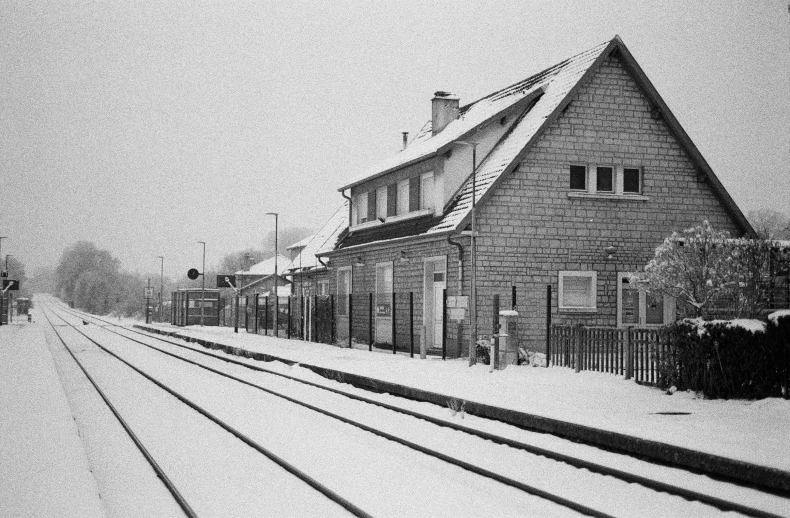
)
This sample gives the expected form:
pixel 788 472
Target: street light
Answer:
pixel 473 258
pixel 276 273
pixel 161 284
pixel 1 248
pixel 203 290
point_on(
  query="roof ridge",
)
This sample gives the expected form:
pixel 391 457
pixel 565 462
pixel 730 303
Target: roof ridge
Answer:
pixel 540 75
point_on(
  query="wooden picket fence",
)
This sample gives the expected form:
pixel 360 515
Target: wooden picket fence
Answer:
pixel 630 352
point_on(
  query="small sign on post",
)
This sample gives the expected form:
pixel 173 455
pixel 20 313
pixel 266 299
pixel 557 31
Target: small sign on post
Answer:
pixel 149 292
pixel 226 281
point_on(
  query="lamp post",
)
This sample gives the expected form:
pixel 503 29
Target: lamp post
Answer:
pixel 1 249
pixel 203 289
pixel 473 259
pixel 2 294
pixel 276 273
pixel 161 283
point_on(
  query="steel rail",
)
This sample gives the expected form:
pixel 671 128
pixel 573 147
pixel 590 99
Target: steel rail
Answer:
pixel 687 494
pixel 179 498
pixel 346 504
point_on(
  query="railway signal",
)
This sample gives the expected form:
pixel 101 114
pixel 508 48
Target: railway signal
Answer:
pixel 193 273
pixel 8 285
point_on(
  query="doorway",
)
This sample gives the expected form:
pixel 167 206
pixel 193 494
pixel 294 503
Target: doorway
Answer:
pixel 435 282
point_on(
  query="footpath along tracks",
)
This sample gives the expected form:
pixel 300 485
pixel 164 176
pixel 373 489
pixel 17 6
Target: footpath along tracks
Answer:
pixel 571 481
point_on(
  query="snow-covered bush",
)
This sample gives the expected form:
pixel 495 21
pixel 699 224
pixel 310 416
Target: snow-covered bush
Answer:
pixel 728 359
pixel 711 273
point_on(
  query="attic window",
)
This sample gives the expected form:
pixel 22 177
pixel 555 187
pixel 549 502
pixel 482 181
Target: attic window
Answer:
pixel 578 178
pixel 604 177
pixel 632 180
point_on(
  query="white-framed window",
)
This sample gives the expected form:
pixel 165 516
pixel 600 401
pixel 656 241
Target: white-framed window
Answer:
pixel 360 208
pixel 343 289
pixel 322 287
pixel 427 200
pixel 578 178
pixel 632 180
pixel 602 180
pixel 637 308
pixel 403 197
pixel 381 202
pixel 577 290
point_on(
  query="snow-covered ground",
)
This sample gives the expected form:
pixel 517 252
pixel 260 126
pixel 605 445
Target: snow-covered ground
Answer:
pixel 750 431
pixel 44 469
pixel 41 448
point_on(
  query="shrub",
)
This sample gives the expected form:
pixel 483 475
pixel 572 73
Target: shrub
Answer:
pixel 725 359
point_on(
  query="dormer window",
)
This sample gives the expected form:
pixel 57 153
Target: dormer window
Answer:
pixel 412 196
pixel 360 205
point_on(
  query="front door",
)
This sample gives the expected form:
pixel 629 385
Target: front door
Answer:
pixel 435 283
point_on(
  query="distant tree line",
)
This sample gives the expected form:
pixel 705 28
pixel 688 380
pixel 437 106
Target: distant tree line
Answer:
pixel 93 280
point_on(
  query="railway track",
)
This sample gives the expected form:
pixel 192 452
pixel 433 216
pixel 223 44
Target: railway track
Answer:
pixel 155 465
pixel 599 469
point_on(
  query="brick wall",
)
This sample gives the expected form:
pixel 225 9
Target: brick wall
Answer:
pixel 530 229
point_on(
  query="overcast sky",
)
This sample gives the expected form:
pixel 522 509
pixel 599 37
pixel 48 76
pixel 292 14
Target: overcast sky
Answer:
pixel 147 126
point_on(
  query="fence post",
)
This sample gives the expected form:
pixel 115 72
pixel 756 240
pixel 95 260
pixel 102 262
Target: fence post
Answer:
pixel 370 322
pixel 629 364
pixel 350 318
pixel 394 347
pixel 266 316
pixel 332 330
pixel 288 330
pixel 493 356
pixel 548 325
pixel 411 324
pixel 444 324
pixel 577 344
pixel 314 319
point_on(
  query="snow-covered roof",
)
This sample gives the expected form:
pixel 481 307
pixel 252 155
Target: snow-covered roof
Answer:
pixel 301 243
pixel 266 267
pixel 543 97
pixel 322 241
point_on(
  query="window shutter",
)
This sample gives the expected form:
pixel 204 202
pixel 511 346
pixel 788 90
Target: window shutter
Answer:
pixel 392 199
pixel 372 205
pixel 414 193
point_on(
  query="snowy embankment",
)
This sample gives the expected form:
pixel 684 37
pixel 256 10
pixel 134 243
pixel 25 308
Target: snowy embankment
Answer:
pixel 749 431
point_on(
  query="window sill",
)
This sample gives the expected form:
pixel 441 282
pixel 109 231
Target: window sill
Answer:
pixel 601 196
pixel 391 219
pixel 578 310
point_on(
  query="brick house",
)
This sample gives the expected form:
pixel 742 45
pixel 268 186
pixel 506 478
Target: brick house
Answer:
pixel 580 171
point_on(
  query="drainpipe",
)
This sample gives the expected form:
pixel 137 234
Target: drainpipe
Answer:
pixel 460 261
pixel 343 194
pixel 459 332
pixel 322 262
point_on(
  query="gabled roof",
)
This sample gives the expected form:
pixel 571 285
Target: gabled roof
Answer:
pixel 550 90
pixel 322 241
pixel 266 267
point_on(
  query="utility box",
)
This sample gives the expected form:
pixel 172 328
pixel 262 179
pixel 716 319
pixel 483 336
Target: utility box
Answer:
pixel 508 337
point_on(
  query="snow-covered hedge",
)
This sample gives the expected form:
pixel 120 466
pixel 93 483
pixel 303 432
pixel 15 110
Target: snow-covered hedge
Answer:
pixel 729 359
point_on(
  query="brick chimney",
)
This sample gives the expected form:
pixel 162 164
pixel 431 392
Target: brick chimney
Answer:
pixel 444 109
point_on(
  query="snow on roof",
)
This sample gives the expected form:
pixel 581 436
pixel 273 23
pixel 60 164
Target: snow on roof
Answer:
pixel 425 145
pixel 558 82
pixel 323 240
pixel 266 267
pixel 301 243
